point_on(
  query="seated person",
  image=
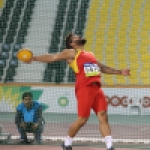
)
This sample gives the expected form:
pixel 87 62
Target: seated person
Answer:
pixel 29 118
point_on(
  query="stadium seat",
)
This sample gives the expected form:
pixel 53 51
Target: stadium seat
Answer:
pixel 22 32
pixel 4 55
pixel 1 36
pixel 59 68
pixel 20 4
pixel 14 55
pixel 2 66
pixel 3 22
pixel 9 4
pixel 120 80
pixel 16 47
pixel 71 76
pixel 6 47
pixel 11 70
pixel 9 39
pixel 107 80
pixel 13 63
pixel 1 72
pixel 48 75
pixel 10 73
pixel 2 63
pixel 59 76
pixel 13 25
pixel 20 39
pixel 5 14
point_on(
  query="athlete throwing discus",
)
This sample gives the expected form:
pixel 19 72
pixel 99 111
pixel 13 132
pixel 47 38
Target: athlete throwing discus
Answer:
pixel 89 95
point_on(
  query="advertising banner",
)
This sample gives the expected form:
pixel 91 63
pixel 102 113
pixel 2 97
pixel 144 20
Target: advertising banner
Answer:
pixel 61 99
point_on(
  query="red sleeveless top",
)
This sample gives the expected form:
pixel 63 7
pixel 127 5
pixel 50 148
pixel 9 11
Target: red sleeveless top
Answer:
pixel 86 68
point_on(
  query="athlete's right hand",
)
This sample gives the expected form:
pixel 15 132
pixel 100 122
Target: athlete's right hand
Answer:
pixel 30 61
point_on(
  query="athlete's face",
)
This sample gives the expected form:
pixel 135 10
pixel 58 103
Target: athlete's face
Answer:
pixel 77 41
pixel 74 40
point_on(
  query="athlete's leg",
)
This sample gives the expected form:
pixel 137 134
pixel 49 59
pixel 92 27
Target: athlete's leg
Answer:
pixel 105 128
pixel 100 108
pixel 75 127
pixel 104 125
pixel 73 130
pixel 84 103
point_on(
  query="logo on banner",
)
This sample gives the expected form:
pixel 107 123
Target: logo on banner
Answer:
pixel 63 101
pixel 11 96
pixel 125 101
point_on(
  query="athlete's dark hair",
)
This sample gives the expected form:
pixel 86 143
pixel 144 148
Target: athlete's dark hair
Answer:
pixel 69 40
pixel 82 40
pixel 27 94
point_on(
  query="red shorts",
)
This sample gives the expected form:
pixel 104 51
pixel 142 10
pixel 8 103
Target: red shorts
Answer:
pixel 90 97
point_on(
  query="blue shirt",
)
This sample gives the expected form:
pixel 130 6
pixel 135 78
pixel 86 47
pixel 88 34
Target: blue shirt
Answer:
pixel 29 115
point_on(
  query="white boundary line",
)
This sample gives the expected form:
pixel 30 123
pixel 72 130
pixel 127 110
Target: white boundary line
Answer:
pixel 83 139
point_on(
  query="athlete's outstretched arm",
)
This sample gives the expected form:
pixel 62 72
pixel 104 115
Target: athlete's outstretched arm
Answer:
pixel 64 55
pixel 109 70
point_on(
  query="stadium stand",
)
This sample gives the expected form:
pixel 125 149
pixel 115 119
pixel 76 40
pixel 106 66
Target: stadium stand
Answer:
pixel 14 23
pixel 37 39
pixel 51 69
pixel 6 12
pixel 118 35
pixel 17 32
pixel 70 18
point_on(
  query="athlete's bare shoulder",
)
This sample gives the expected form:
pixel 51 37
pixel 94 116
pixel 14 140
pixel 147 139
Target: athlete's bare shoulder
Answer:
pixel 70 52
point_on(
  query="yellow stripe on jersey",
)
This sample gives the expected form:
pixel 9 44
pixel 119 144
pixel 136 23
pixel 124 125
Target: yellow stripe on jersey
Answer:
pixel 73 64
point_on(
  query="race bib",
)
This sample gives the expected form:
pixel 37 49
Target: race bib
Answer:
pixel 91 69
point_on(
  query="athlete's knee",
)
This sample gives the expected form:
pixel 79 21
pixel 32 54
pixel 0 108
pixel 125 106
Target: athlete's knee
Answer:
pixel 81 121
pixel 103 116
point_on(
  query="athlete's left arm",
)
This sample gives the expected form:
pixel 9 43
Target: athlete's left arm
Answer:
pixel 109 70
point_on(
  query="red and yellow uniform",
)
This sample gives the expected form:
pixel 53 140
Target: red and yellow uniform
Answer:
pixel 88 95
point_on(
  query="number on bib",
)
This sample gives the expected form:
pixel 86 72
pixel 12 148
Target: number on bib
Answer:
pixel 91 69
